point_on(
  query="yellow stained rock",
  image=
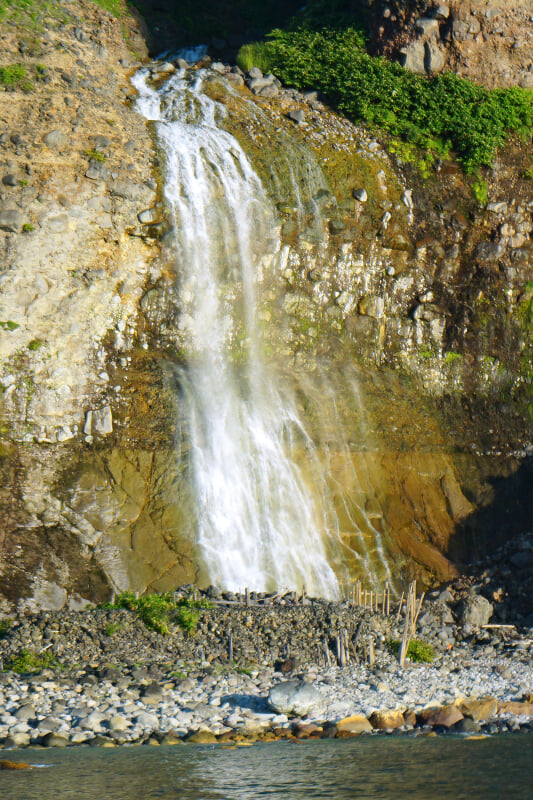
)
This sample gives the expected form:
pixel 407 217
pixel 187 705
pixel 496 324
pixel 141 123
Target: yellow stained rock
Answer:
pixel 357 723
pixel 479 710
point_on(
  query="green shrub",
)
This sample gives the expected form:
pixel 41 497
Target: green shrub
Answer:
pixel 445 111
pixel 159 611
pixel 480 190
pixel 26 661
pixel 9 325
pixel 94 155
pixel 418 651
pixel 253 54
pixel 35 344
pixel 28 227
pixel 12 74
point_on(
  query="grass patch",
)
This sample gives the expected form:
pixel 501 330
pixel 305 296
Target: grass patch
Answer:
pixel 28 227
pixel 160 611
pixel 9 325
pixel 36 344
pixel 116 7
pixel 445 112
pixel 418 651
pixel 26 661
pixel 450 357
pixel 94 155
pixel 14 76
pixel 251 55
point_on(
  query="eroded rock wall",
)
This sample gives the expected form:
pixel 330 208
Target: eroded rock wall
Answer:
pixel 490 42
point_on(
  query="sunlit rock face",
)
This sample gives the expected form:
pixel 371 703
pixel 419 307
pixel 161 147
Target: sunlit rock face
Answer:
pixel 389 351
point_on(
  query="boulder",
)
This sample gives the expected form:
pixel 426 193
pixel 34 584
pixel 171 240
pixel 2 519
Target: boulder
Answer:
pixel 11 221
pixel 476 610
pixel 296 698
pixel 356 723
pixel 54 740
pixel 55 139
pixel 515 708
pixel 387 720
pixel 479 710
pixel 443 717
pixel 202 737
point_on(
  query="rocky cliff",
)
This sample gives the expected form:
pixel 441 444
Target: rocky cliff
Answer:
pixel 490 42
pixel 419 294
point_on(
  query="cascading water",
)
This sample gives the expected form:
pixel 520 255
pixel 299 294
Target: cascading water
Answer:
pixel 259 522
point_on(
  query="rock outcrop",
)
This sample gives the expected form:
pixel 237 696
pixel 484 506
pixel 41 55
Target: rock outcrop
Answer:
pixel 413 292
pixel 490 42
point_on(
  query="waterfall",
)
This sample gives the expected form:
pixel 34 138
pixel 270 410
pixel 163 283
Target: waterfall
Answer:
pixel 261 522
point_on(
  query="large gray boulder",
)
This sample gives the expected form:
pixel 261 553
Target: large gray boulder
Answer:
pixel 476 610
pixel 296 698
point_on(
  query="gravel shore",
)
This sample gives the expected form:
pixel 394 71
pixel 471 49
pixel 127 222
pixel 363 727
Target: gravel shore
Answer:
pixel 112 681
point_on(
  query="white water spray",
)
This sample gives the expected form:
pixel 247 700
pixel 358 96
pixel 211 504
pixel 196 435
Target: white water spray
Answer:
pixel 260 524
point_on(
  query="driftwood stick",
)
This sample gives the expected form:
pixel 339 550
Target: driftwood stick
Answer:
pixel 399 609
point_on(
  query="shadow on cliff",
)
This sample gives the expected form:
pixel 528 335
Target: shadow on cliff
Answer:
pixel 507 514
pixel 226 26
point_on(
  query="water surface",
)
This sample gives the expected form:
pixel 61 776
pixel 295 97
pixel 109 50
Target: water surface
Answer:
pixel 389 768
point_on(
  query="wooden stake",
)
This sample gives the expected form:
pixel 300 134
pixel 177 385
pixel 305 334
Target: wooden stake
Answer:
pixel 399 609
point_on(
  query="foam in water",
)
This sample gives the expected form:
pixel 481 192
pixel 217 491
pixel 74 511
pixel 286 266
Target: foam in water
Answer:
pixel 260 524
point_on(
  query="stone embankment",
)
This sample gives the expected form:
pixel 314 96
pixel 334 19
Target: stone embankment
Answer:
pixel 270 669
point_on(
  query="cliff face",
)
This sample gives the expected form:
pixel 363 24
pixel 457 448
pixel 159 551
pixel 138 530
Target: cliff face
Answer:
pixel 420 294
pixel 490 42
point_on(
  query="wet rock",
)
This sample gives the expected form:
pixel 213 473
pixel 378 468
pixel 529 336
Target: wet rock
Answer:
pixel 148 216
pixel 387 720
pixel 54 740
pixel 361 195
pixel 371 306
pixel 202 737
pixel 443 717
pixel 98 421
pixel 295 698
pixel 297 115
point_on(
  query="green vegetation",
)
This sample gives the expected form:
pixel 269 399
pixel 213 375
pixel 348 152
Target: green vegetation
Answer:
pixel 35 344
pixel 94 155
pixel 5 625
pixel 160 611
pixel 9 325
pixel 444 113
pixel 480 190
pixel 452 357
pixel 12 75
pixel 114 627
pixel 427 352
pixel 115 7
pixel 253 55
pixel 28 227
pixel 418 651
pixel 26 661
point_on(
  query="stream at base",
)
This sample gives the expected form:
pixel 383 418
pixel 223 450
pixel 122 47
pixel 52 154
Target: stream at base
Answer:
pixel 384 767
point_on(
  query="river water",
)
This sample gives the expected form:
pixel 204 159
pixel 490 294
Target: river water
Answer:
pixel 384 767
